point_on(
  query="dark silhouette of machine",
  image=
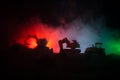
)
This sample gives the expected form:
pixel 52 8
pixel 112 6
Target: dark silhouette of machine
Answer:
pixel 41 45
pixel 70 48
pixel 96 49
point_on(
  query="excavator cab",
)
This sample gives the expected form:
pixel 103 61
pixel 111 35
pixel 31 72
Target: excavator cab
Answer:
pixel 71 47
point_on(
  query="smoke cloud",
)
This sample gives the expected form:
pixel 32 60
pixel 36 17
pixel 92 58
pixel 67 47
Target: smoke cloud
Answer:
pixel 85 33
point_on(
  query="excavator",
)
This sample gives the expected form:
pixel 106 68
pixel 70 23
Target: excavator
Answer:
pixel 71 47
pixel 41 44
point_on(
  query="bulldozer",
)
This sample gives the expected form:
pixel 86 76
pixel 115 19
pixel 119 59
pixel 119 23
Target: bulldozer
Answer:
pixel 96 49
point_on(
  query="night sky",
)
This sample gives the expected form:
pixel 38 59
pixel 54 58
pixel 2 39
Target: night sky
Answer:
pixel 56 13
pixel 86 21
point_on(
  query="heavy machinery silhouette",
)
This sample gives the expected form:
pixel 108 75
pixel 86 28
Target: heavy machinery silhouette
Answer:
pixel 70 48
pixel 96 49
pixel 41 45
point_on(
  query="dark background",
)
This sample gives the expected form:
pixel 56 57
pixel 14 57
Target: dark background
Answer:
pixel 14 13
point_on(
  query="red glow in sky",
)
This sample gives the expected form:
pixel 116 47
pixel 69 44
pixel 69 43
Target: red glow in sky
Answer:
pixel 41 31
pixel 31 43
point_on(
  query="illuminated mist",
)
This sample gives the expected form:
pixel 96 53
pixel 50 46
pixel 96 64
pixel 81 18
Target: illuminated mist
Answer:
pixel 85 33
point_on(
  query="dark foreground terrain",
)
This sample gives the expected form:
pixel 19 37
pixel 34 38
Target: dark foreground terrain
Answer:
pixel 30 65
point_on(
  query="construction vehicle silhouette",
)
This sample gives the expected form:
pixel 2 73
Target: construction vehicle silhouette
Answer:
pixel 70 48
